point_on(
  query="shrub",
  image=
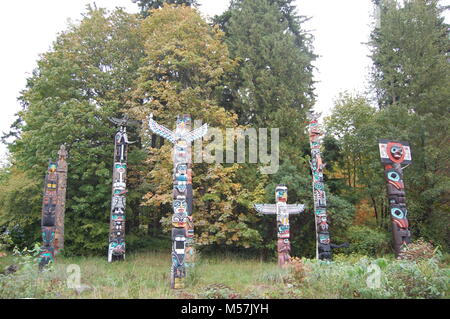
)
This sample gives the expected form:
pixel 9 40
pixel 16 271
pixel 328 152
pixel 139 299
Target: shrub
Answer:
pixel 218 291
pixel 368 241
pixel 397 279
pixel 418 250
pixel 26 281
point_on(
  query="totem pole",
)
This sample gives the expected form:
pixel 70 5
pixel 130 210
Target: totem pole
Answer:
pixel 61 171
pixel 323 245
pixel 393 154
pixel 282 211
pixel 48 222
pixel 116 248
pixel 182 222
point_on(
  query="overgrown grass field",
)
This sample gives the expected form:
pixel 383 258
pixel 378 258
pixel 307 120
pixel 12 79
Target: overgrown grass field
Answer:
pixel 147 275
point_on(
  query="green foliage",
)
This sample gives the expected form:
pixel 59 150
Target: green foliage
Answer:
pixel 349 279
pixel 147 276
pixel 411 77
pixel 27 281
pixel 20 203
pixel 147 5
pixel 274 77
pixel 183 74
pixel 409 50
pixel 368 241
pixel 218 291
pixel 77 85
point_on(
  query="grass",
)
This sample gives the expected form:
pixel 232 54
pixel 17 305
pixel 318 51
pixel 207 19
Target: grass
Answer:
pixel 147 275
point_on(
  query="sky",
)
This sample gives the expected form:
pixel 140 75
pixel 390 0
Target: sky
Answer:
pixel 341 29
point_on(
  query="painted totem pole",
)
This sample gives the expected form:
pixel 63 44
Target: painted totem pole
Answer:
pixel 116 249
pixel 282 210
pixel 61 171
pixel 182 222
pixel 48 222
pixel 393 154
pixel 323 247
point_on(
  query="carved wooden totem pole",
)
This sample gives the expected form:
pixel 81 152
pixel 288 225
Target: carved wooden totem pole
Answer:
pixel 61 171
pixel 323 246
pixel 182 222
pixel 116 249
pixel 53 205
pixel 393 155
pixel 48 222
pixel 282 210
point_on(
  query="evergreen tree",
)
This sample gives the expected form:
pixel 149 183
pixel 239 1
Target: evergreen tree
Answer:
pixel 410 49
pixel 275 72
pixel 147 5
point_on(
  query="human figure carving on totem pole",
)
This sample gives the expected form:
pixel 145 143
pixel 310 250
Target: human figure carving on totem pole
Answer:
pixel 393 155
pixel 324 246
pixel 182 222
pixel 48 222
pixel 282 210
pixel 61 201
pixel 116 248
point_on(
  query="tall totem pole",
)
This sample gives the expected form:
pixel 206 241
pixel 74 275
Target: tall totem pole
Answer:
pixel 116 248
pixel 282 210
pixel 61 171
pixel 323 245
pixel 393 154
pixel 53 205
pixel 182 222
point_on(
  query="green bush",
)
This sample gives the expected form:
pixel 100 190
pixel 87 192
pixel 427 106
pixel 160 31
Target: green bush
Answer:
pixel 397 279
pixel 368 241
pixel 26 281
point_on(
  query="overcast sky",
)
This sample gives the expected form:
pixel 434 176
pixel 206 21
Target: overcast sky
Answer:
pixel 340 28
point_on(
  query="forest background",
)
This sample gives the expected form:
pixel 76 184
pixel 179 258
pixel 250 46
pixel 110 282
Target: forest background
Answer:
pixel 249 67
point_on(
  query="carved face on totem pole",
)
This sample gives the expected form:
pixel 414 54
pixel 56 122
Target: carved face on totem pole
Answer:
pixel 394 178
pixel 48 235
pixel 184 121
pixel 179 220
pixel 120 170
pixel 283 246
pixel 52 167
pixel 399 216
pixel 394 152
pixel 324 239
pixel 323 223
pixel 281 194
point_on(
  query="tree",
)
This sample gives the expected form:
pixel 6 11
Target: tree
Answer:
pixel 275 74
pixel 183 75
pixel 411 78
pixel 272 87
pixel 147 5
pixel 353 127
pixel 410 54
pixel 77 85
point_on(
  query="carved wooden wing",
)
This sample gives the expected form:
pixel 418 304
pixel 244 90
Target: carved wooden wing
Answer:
pixel 293 209
pixel 266 209
pixel 161 130
pixel 196 134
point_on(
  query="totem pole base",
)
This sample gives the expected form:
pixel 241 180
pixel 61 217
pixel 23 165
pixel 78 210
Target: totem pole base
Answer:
pixel 178 283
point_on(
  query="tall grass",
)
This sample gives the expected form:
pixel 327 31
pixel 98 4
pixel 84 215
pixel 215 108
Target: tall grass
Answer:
pixel 147 275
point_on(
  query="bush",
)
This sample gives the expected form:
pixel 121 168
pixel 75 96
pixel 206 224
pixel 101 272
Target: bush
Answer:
pixel 218 291
pixel 418 250
pixel 397 279
pixel 25 280
pixel 368 241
